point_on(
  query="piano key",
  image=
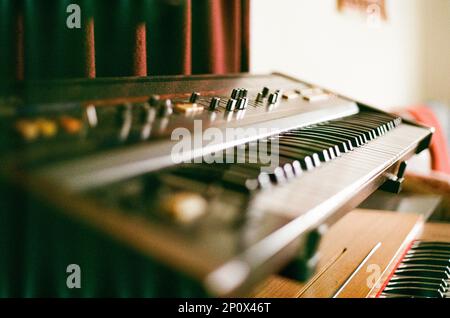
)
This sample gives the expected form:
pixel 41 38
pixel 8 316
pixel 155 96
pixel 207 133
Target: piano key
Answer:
pixel 423 273
pixel 376 128
pixel 325 154
pixel 444 269
pixel 353 139
pixel 307 159
pixel 414 291
pixel 435 286
pixel 399 278
pixel 441 255
pixel 344 144
pixel 431 245
pixel 363 132
pixel 338 146
pixel 427 260
pixel 333 149
pixel 362 138
pixel 392 295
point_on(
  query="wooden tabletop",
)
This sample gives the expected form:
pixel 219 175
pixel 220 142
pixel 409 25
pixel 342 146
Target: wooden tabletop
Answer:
pixel 357 255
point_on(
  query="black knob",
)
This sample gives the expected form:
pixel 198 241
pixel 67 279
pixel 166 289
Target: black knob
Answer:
pixel 243 93
pixel 123 111
pixel 154 100
pixel 231 104
pixel 214 104
pixel 147 113
pixel 265 92
pixel 242 103
pixel 259 97
pixel 272 98
pixel 165 108
pixel 194 97
pixel 235 93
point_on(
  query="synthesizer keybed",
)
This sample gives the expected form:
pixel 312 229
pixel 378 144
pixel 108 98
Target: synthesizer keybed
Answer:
pixel 424 272
pixel 225 212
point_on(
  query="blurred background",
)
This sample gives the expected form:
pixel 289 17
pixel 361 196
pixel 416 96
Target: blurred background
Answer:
pixel 393 54
pixel 399 60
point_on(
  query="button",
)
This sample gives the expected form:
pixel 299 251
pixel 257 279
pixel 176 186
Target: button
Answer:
pixel 231 104
pixel 214 104
pixel 290 95
pixel 314 95
pixel 27 129
pixel 184 207
pixel 188 108
pixel 47 127
pixel 70 124
pixel 194 97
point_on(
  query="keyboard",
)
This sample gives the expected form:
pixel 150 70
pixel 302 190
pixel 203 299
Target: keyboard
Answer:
pixel 223 180
pixel 424 272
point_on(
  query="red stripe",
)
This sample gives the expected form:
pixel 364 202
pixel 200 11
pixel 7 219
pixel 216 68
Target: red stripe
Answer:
pixel 90 70
pixel 187 58
pixel 395 268
pixel 140 51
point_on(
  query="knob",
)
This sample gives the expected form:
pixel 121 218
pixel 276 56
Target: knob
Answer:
pixel 123 112
pixel 243 93
pixel 242 103
pixel 147 113
pixel 215 101
pixel 154 100
pixel 272 98
pixel 165 108
pixel 265 92
pixel 235 93
pixel 194 97
pixel 231 104
pixel 259 97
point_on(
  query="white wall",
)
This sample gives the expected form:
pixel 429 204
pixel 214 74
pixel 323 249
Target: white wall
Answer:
pixel 436 34
pixel 385 66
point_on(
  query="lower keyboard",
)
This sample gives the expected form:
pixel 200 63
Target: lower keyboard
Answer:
pixel 424 272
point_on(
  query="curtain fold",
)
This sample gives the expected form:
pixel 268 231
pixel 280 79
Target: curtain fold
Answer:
pixel 123 38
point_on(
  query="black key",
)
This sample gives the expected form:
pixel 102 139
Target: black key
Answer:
pixel 422 273
pixel 326 141
pixel 344 144
pixel 354 140
pixel 414 291
pixel 369 132
pixel 427 260
pixel 343 127
pixel 435 286
pixel 311 144
pixel 430 280
pixel 309 148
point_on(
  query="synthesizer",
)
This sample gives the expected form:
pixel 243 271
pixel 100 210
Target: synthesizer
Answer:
pixel 184 186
